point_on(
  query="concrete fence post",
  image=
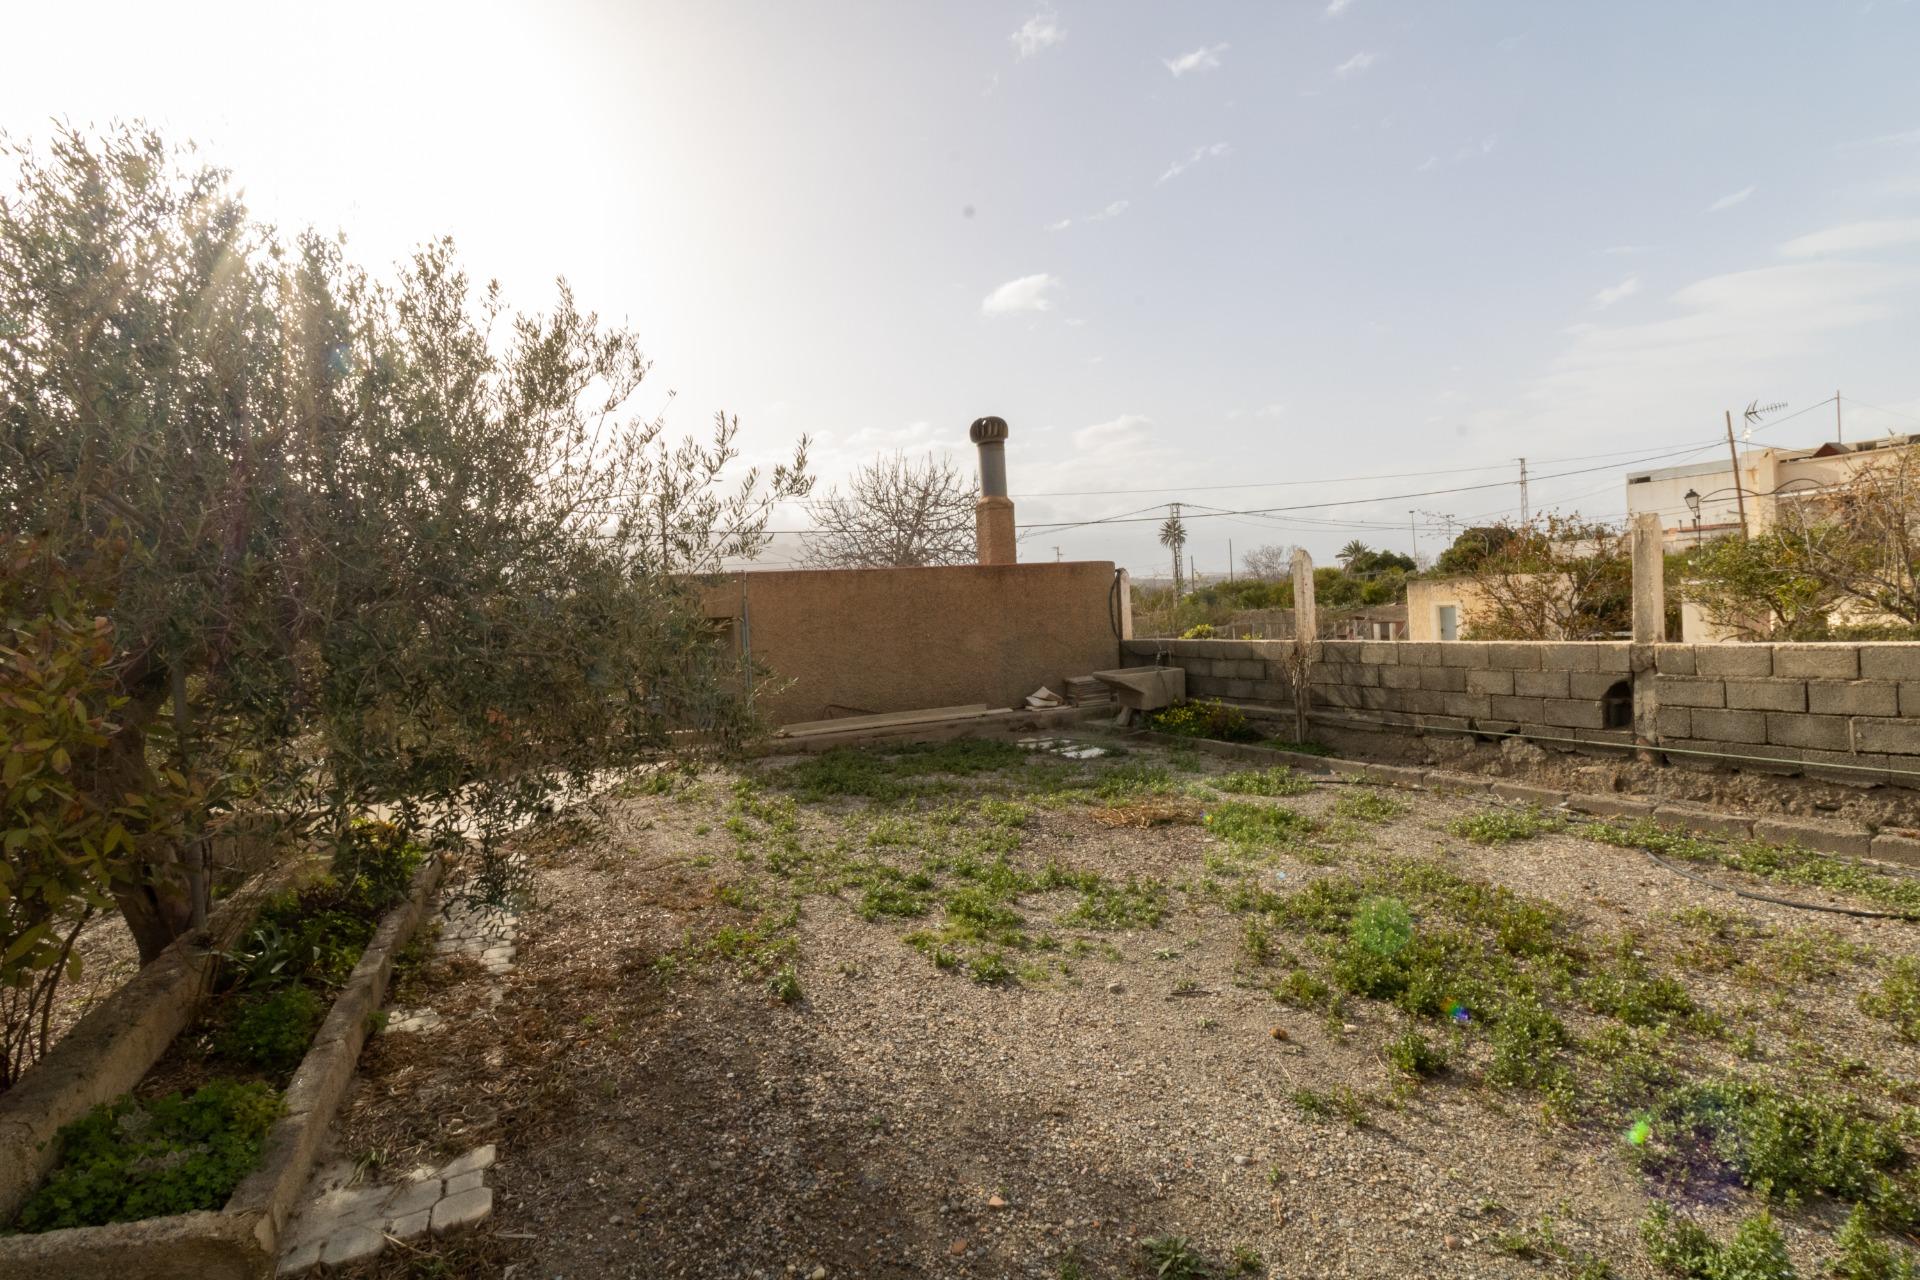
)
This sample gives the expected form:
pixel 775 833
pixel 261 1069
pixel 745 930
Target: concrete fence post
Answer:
pixel 1306 629
pixel 1649 628
pixel 1649 580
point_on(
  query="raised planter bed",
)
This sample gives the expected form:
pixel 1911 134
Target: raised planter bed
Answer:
pixel 240 1240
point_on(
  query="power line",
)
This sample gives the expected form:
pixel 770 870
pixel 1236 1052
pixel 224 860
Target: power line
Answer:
pixel 1135 518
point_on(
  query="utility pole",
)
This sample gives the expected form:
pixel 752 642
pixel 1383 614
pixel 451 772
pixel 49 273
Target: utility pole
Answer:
pixel 1413 537
pixel 1839 432
pixel 1229 559
pixel 1175 507
pixel 1739 490
pixel 1056 555
pixel 1193 574
pixel 1523 491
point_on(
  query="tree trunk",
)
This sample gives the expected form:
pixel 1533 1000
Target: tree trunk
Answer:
pixel 153 895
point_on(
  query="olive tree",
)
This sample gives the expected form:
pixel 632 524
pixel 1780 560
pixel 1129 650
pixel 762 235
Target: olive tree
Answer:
pixel 378 542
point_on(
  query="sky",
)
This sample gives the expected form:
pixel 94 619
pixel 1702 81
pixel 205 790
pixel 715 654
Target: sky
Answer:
pixel 1331 267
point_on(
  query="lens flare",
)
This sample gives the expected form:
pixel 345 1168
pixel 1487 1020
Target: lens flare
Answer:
pixel 1458 1012
pixel 1639 1131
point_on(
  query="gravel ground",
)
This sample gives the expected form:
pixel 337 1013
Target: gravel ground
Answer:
pixel 660 1113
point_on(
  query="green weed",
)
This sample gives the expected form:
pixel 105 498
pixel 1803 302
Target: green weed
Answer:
pixel 1897 998
pixel 1341 1102
pixel 1503 826
pixel 1138 904
pixel 1278 780
pixel 1251 827
pixel 1364 805
pixel 1681 1248
pixel 1414 1055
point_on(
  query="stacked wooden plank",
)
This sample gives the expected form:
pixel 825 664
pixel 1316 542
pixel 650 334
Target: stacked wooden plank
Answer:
pixel 1086 691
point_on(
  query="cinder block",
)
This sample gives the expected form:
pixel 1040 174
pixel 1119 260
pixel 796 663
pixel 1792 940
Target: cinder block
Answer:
pixel 1442 724
pixel 1610 806
pixel 1705 821
pixel 1491 681
pixel 1571 713
pixel 1571 656
pixel 1889 847
pixel 1613 655
pixel 1273 691
pixel 1827 837
pixel 1380 652
pixel 1366 676
pixel 1730 726
pixel 1464 705
pixel 1423 653
pixel 1525 793
pixel 1673 659
pixel 1594 684
pixel 1898 737
pixel 1676 722
pixel 1817 661
pixel 1613 737
pixel 1526 710
pixel 1684 691
pixel 1540 684
pixel 1400 677
pixel 1516 655
pixel 1733 659
pixel 1824 733
pixel 1706 753
pixel 1464 653
pixel 1239 688
pixel 1892 661
pixel 1445 679
pixel 1853 697
pixel 1857 768
pixel 1767 695
pixel 1910 698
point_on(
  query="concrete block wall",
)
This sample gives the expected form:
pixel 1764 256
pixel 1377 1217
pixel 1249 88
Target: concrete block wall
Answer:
pixel 1804 705
pixel 1842 710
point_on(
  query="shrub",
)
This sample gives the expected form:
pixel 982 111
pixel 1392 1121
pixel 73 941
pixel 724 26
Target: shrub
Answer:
pixel 128 1160
pixel 1898 998
pixel 1382 926
pixel 1525 1041
pixel 1862 1256
pixel 1415 1055
pixel 1200 631
pixel 1785 1146
pixel 1212 719
pixel 1253 826
pixel 270 1031
pixel 1681 1248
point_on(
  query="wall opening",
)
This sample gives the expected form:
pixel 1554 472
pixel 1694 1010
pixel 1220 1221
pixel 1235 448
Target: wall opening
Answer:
pixel 1616 706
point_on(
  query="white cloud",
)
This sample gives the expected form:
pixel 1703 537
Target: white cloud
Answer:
pixel 1271 411
pixel 1855 237
pixel 1905 138
pixel 1178 167
pixel 1431 162
pixel 1624 250
pixel 1202 59
pixel 1112 209
pixel 1337 7
pixel 1727 330
pixel 1474 150
pixel 1615 292
pixel 1130 433
pixel 1039 33
pixel 1731 199
pixel 1028 293
pixel 1357 63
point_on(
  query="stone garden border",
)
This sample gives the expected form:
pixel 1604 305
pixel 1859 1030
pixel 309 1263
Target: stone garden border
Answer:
pixel 240 1241
pixel 1820 836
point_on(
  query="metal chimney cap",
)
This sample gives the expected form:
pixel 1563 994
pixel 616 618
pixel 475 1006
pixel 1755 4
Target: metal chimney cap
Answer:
pixel 984 430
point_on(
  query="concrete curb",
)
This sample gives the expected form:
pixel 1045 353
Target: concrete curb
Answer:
pixel 1840 839
pixel 240 1241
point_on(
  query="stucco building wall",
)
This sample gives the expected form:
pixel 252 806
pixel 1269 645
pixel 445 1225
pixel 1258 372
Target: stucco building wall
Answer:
pixel 867 641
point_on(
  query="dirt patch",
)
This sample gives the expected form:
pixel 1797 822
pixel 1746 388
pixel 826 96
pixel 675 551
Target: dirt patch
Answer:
pixel 964 1024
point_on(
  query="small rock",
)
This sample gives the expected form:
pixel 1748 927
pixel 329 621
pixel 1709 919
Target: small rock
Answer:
pixel 1242 1161
pixel 995 1202
pixel 957 1248
pixel 1347 1028
pixel 1278 1033
pixel 1451 1242
pixel 1115 988
pixel 818 1273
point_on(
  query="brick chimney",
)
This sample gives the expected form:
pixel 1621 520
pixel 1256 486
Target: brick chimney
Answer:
pixel 993 511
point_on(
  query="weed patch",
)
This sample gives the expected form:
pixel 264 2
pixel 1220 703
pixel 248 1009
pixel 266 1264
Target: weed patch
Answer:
pixel 1681 1248
pixel 1504 826
pixel 1897 999
pixel 1276 781
pixel 1365 805
pixel 1252 827
pixel 1137 904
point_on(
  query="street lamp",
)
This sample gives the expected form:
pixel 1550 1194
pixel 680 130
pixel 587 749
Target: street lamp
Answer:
pixel 1692 499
